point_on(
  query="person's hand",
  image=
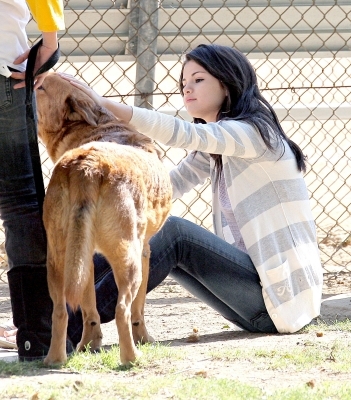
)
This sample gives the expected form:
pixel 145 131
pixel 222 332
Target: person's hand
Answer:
pixel 44 53
pixel 119 110
pixel 83 87
pixel 11 335
pixel 8 336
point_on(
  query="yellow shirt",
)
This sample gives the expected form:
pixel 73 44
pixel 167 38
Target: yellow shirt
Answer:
pixel 48 14
pixel 15 15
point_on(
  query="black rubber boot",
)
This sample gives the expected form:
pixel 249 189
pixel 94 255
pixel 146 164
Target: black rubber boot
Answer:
pixel 32 311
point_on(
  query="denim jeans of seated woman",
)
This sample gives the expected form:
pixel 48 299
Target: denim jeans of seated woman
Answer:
pixel 212 270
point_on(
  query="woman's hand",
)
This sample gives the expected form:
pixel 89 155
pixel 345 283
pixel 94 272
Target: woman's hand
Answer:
pixel 45 51
pixel 120 111
pixel 84 88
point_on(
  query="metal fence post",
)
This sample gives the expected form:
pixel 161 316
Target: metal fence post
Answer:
pixel 143 32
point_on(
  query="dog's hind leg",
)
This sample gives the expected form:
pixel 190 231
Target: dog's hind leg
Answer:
pixel 57 352
pixel 127 271
pixel 92 335
pixel 140 334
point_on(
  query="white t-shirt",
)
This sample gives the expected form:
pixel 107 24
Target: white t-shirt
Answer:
pixel 231 229
pixel 14 16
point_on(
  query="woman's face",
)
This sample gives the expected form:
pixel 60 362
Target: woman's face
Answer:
pixel 203 93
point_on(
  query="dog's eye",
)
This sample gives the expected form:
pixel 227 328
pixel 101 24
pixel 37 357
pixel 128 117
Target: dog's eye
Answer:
pixel 40 87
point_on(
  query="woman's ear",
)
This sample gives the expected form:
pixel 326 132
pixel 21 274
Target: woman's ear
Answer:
pixel 226 91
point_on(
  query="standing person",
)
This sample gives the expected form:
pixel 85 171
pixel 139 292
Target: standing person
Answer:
pixel 21 183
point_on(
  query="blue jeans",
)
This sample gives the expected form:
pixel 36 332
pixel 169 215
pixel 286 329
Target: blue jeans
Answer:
pixel 212 270
pixel 21 190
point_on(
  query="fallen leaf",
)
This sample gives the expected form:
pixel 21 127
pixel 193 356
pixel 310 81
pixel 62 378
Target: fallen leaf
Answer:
pixel 202 373
pixel 193 338
pixel 311 383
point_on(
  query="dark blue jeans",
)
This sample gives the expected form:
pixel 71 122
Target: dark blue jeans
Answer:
pixel 20 203
pixel 211 269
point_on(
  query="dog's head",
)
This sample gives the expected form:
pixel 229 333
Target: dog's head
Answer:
pixel 59 101
pixel 67 118
pixel 59 106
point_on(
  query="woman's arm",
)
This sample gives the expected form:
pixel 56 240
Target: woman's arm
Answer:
pixel 119 110
pixel 229 137
pixel 190 172
pixel 48 14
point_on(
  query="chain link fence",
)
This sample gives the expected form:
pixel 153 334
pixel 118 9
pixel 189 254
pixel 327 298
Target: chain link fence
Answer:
pixel 131 51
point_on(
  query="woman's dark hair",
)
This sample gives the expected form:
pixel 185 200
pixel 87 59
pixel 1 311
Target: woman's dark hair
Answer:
pixel 244 101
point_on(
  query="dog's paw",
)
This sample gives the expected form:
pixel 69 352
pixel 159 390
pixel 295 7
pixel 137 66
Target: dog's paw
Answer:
pixel 141 335
pixel 147 339
pixel 128 360
pixel 90 342
pixel 51 360
pixel 91 346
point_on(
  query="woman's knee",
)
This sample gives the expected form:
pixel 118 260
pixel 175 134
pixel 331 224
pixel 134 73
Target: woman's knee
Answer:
pixel 178 226
pixel 167 233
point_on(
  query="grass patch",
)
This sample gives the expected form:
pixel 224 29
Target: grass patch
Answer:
pixel 154 355
pixel 169 372
pixel 319 325
pixel 316 353
pixel 20 368
pixel 108 360
pixel 172 387
pixel 333 356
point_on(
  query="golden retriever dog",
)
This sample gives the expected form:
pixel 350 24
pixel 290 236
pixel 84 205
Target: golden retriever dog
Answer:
pixel 109 192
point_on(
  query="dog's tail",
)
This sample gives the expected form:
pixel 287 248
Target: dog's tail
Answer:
pixel 80 241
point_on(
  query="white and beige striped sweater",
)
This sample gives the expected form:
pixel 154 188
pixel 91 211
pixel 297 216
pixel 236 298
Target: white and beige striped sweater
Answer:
pixel 269 200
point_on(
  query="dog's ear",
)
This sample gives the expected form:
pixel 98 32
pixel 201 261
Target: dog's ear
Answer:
pixel 82 108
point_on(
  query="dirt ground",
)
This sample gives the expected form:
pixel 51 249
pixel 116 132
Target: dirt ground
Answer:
pixel 171 315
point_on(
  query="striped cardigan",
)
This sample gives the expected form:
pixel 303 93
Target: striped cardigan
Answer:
pixel 270 202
